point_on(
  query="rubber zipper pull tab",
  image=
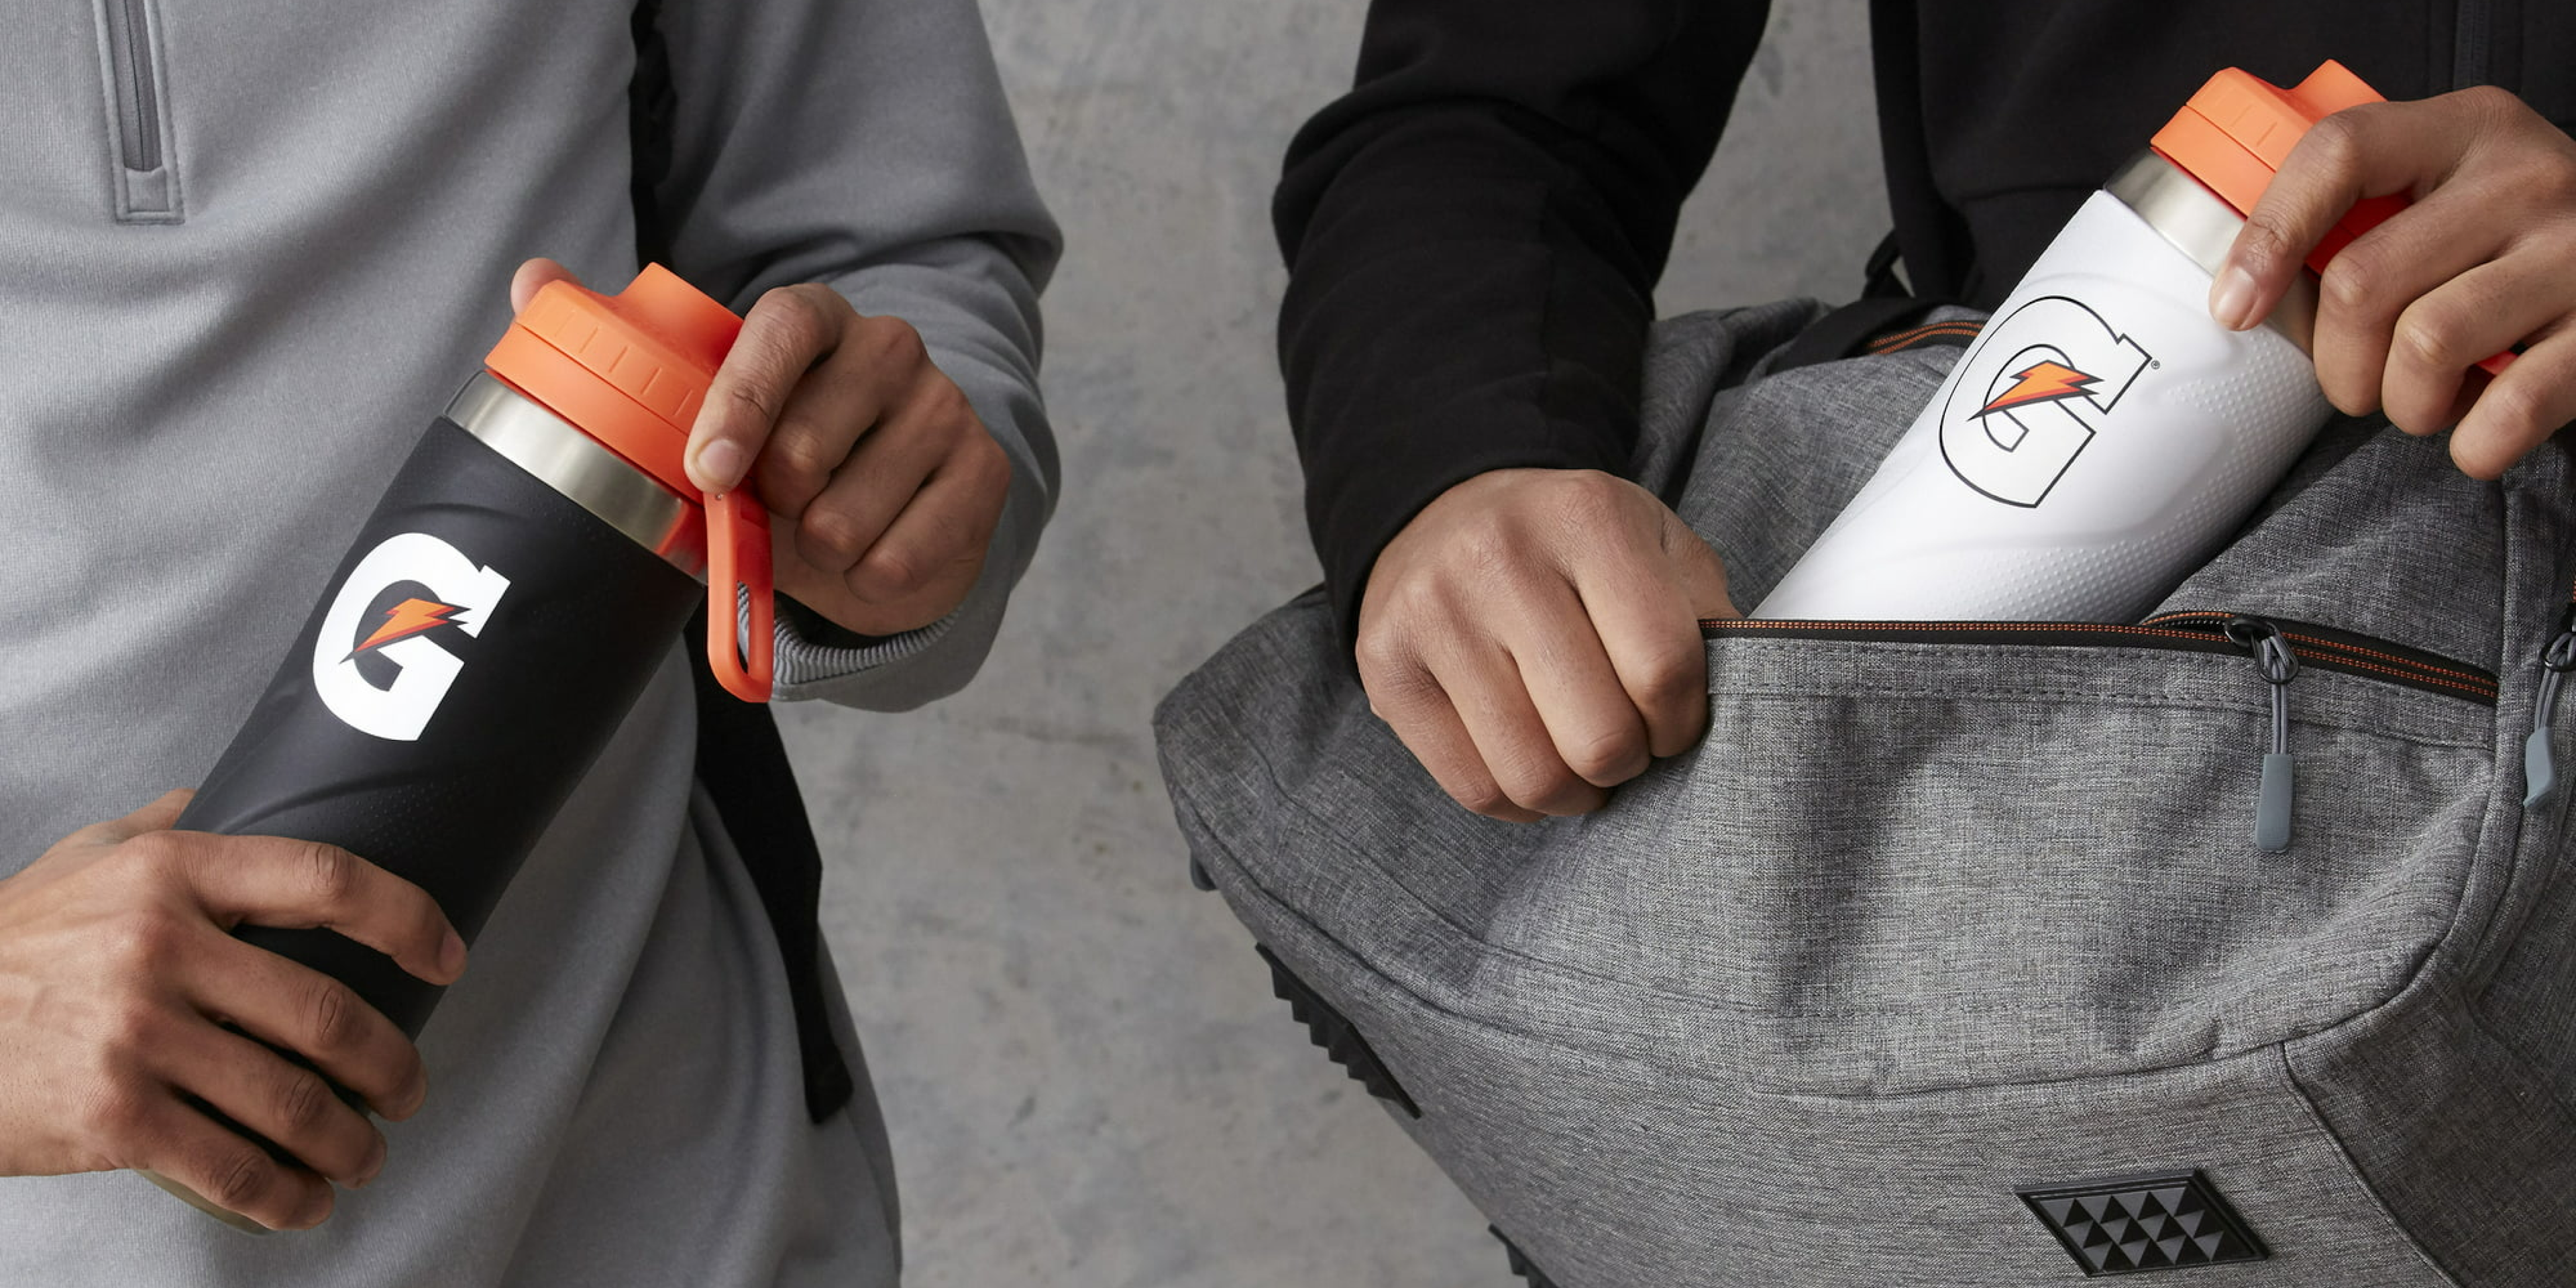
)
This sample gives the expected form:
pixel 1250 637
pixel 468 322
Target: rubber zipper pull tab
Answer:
pixel 2539 765
pixel 2279 666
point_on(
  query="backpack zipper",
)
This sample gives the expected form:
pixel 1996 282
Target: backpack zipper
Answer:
pixel 2197 631
pixel 2279 665
pixel 2557 658
pixel 2278 646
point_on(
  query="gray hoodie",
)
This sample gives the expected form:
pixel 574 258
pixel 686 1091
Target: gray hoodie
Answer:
pixel 247 249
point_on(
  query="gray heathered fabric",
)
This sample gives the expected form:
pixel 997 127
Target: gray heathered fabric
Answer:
pixel 198 413
pixel 1920 922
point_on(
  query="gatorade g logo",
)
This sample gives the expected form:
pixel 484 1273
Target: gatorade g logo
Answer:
pixel 2034 391
pixel 399 634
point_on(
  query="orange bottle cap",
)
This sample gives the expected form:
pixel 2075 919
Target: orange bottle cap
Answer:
pixel 2234 134
pixel 632 370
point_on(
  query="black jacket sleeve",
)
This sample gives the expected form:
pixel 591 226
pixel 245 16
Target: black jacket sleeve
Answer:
pixel 1473 236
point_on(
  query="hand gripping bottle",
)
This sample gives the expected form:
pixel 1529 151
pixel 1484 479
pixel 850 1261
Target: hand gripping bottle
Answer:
pixel 523 577
pixel 2104 434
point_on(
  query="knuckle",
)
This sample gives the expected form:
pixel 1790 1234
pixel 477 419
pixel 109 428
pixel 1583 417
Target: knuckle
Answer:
pixel 2336 140
pixel 152 847
pixel 2513 407
pixel 332 1017
pixel 984 452
pixel 805 454
pixel 984 465
pixel 754 398
pixel 2428 342
pixel 157 856
pixel 111 1113
pixel 944 404
pixel 1484 797
pixel 897 344
pixel 2265 244
pixel 2551 184
pixel 130 1027
pixel 833 535
pixel 1533 780
pixel 329 873
pixel 2492 104
pixel 1672 678
pixel 147 944
pixel 303 1103
pixel 2263 233
pixel 1385 659
pixel 1490 552
pixel 2352 398
pixel 2351 282
pixel 799 314
pixel 1616 755
pixel 1587 498
pixel 237 1174
pixel 893 569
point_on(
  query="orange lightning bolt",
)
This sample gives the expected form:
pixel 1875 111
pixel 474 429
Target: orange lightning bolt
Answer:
pixel 410 617
pixel 2043 383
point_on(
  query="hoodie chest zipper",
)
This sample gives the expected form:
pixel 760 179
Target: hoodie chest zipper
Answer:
pixel 143 175
pixel 2278 648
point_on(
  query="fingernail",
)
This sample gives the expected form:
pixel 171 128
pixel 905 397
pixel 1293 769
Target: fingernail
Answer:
pixel 314 1211
pixel 451 954
pixel 2231 299
pixel 375 1163
pixel 720 465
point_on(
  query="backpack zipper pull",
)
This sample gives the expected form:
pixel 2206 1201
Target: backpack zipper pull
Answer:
pixel 2279 665
pixel 2539 766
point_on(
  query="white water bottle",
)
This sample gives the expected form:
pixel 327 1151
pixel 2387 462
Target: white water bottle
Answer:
pixel 2104 434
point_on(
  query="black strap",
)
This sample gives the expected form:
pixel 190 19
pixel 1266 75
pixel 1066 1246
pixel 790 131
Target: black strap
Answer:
pixel 1940 253
pixel 1843 332
pixel 651 106
pixel 741 760
pixel 1878 276
pixel 743 765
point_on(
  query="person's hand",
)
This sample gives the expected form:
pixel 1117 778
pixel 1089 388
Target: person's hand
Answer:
pixel 118 975
pixel 886 483
pixel 2484 259
pixel 1533 637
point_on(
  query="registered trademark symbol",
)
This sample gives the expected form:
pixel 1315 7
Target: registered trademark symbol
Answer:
pixel 2156 363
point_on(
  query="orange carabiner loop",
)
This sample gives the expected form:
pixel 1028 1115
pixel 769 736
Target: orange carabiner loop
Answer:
pixel 738 562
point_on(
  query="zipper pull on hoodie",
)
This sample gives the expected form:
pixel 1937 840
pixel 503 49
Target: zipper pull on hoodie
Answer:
pixel 2279 665
pixel 2539 765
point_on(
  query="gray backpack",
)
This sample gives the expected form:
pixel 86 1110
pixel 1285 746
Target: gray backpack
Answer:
pixel 1950 957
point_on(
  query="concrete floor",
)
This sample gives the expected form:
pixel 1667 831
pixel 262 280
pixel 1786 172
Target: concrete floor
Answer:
pixel 1087 1080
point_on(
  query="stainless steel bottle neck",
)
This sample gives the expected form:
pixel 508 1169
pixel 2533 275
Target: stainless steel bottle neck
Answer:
pixel 2202 227
pixel 588 474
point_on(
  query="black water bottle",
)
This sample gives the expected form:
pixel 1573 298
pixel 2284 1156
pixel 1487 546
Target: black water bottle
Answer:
pixel 521 581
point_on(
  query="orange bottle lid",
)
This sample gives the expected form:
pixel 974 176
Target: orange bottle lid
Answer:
pixel 2234 134
pixel 632 370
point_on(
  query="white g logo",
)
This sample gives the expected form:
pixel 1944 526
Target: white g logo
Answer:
pixel 2011 426
pixel 399 713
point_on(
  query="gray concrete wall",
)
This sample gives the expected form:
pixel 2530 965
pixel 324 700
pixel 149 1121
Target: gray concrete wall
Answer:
pixel 1085 1075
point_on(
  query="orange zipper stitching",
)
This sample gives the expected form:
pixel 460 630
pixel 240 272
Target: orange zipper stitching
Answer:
pixel 2406 665
pixel 2402 667
pixel 1900 337
pixel 1730 623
